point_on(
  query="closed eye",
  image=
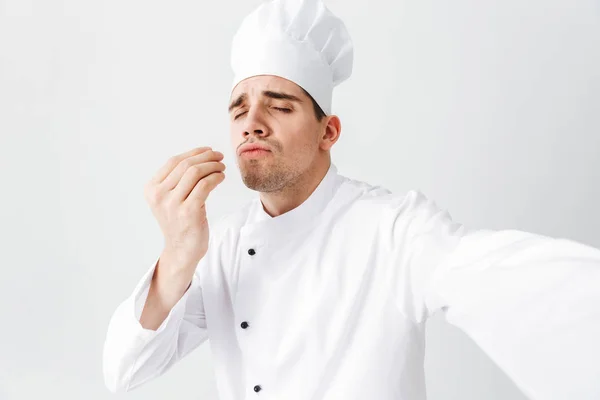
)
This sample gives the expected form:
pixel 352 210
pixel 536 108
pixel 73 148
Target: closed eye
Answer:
pixel 284 110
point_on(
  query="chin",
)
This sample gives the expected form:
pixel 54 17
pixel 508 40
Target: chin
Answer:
pixel 261 180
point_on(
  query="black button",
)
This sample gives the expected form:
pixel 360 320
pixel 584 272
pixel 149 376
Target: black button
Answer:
pixel 257 388
pixel 244 325
pixel 251 252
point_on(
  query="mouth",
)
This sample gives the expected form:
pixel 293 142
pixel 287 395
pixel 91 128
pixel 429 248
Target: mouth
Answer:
pixel 254 153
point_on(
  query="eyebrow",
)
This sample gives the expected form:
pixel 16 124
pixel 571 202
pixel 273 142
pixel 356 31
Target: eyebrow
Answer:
pixel 267 93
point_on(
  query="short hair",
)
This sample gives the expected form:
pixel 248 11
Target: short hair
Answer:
pixel 319 113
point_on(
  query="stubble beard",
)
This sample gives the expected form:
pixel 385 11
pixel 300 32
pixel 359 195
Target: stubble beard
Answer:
pixel 264 178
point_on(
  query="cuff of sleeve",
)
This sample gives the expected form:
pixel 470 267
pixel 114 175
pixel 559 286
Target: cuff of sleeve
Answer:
pixel 138 300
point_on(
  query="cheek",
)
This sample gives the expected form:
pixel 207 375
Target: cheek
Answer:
pixel 234 138
pixel 301 143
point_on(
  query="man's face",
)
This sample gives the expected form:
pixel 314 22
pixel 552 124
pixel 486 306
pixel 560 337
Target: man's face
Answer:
pixel 275 113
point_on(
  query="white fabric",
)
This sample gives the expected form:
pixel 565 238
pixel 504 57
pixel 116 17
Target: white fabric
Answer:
pixel 299 40
pixel 338 293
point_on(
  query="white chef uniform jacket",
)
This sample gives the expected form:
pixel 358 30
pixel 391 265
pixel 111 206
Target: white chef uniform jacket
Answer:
pixel 329 301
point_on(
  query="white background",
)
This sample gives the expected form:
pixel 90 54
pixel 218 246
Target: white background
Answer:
pixel 492 108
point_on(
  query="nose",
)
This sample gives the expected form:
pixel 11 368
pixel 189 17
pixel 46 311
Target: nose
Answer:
pixel 254 124
pixel 256 131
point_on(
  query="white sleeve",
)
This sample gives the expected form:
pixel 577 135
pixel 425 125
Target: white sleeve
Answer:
pixel 133 355
pixel 531 302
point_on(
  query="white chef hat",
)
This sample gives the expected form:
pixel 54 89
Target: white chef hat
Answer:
pixel 299 40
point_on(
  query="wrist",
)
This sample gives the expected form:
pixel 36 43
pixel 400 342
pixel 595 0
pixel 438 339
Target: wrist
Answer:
pixel 178 261
pixel 174 273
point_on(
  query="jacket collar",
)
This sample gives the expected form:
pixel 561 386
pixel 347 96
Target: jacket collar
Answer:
pixel 265 227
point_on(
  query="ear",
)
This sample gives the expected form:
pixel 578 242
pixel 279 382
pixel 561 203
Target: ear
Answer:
pixel 332 128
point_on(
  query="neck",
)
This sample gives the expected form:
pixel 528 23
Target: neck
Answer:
pixel 290 197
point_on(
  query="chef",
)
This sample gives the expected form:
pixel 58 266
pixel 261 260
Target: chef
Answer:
pixel 320 288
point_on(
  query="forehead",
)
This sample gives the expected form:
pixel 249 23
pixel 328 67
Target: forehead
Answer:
pixel 257 84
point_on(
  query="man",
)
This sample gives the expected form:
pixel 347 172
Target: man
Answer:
pixel 321 287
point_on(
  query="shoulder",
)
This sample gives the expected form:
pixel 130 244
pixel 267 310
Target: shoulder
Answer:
pixel 400 214
pixel 380 200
